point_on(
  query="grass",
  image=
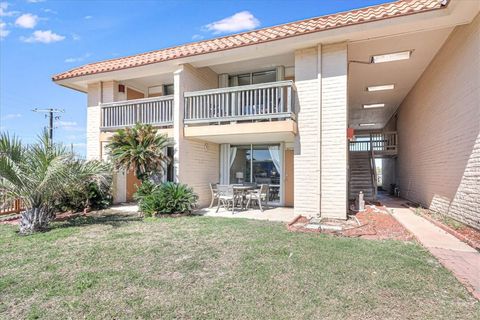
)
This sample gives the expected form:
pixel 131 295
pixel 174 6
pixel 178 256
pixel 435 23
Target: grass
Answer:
pixel 210 268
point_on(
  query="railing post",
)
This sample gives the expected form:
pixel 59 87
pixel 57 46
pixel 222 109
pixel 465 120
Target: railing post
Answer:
pixel 289 99
pixel 233 103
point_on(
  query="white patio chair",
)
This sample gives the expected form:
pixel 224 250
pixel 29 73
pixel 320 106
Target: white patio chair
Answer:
pixel 214 192
pixel 259 196
pixel 226 196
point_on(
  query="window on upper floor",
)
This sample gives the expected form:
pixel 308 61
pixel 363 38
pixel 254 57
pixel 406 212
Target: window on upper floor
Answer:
pixel 252 78
pixel 168 89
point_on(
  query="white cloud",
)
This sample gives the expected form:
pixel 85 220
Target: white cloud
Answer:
pixel 43 36
pixel 3 30
pixel 50 11
pixel 197 37
pixel 11 116
pixel 75 36
pixel 27 21
pixel 240 21
pixel 78 59
pixel 88 17
pixel 3 10
pixel 35 1
pixel 69 125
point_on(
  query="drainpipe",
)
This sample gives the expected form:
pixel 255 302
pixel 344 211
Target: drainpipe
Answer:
pixel 319 72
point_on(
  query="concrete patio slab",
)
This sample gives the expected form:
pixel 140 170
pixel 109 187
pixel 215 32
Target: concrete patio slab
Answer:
pixel 280 214
pixel 461 259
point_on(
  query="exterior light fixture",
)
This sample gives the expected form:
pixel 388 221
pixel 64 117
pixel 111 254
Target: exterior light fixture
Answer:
pixel 381 87
pixel 373 105
pixel 366 124
pixel 389 57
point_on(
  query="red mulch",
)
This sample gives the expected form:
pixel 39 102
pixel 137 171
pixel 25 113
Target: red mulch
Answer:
pixel 375 223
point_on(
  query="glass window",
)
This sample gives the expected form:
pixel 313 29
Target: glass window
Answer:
pixel 168 89
pixel 264 77
pixel 258 164
pixel 252 78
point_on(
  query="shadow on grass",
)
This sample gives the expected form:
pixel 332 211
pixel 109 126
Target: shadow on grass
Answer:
pixel 115 220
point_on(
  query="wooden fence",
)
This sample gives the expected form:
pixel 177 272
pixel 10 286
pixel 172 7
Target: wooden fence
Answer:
pixel 11 207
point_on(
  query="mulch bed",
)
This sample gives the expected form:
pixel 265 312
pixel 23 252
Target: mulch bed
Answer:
pixel 469 235
pixel 375 223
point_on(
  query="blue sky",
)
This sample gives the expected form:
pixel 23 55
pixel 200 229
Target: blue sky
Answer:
pixel 40 38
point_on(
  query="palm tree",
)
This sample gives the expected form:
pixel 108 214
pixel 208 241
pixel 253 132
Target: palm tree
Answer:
pixel 140 149
pixel 39 174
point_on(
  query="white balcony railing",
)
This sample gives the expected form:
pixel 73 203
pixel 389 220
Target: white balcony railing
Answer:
pixel 382 142
pixel 252 102
pixel 156 111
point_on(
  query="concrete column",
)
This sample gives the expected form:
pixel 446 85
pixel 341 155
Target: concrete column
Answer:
pixel 307 142
pixel 196 162
pixel 334 149
pixel 102 92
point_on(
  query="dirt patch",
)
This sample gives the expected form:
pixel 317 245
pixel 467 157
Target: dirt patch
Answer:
pixel 14 220
pixel 373 223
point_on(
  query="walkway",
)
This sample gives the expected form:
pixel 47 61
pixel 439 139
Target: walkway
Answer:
pixel 461 259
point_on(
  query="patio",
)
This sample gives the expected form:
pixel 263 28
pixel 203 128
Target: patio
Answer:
pixel 279 214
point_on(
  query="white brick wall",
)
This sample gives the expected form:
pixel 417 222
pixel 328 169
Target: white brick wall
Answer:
pixel 320 159
pixel 93 122
pixel 196 163
pixel 307 142
pixel 439 130
pixel 334 131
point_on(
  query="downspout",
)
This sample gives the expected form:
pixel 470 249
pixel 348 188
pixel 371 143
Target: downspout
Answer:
pixel 319 73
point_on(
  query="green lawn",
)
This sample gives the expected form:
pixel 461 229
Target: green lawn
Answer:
pixel 208 268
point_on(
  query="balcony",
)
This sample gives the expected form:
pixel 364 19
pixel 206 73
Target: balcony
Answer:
pixel 266 101
pixel 156 111
pixel 380 144
pixel 245 114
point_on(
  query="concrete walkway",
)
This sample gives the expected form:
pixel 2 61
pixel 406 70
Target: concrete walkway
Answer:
pixel 461 259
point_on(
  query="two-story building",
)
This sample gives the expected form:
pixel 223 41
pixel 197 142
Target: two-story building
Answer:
pixel 308 106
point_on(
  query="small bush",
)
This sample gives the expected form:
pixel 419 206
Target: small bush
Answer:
pixel 167 198
pixel 78 197
pixel 146 188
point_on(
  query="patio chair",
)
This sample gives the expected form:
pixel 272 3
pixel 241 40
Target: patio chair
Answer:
pixel 259 196
pixel 213 190
pixel 226 196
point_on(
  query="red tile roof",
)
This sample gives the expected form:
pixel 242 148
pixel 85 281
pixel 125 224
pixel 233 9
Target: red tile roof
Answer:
pixel 368 14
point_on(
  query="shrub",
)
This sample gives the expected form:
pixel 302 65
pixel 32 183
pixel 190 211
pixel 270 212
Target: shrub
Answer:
pixel 85 195
pixel 167 198
pixel 146 188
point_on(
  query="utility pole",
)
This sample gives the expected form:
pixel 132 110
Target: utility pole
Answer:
pixel 50 113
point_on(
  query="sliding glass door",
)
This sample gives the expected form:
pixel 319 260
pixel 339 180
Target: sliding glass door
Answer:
pixel 259 164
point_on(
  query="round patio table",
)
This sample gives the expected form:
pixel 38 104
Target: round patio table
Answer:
pixel 241 191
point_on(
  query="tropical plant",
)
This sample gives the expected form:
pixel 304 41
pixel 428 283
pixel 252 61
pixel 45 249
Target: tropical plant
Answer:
pixel 140 149
pixel 167 198
pixel 40 174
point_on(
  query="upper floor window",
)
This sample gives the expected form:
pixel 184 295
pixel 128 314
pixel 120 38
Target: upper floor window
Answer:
pixel 168 89
pixel 252 78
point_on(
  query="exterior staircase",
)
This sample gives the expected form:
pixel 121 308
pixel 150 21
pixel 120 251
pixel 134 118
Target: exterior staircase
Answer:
pixel 362 176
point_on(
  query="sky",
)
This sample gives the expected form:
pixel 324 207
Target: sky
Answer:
pixel 39 38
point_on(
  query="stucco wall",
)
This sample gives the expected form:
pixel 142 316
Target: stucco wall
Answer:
pixel 438 127
pixel 196 162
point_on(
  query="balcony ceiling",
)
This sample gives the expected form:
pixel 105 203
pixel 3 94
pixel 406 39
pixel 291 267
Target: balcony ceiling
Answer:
pixel 403 74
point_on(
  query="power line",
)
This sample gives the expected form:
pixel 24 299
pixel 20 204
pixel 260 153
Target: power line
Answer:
pixel 50 113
